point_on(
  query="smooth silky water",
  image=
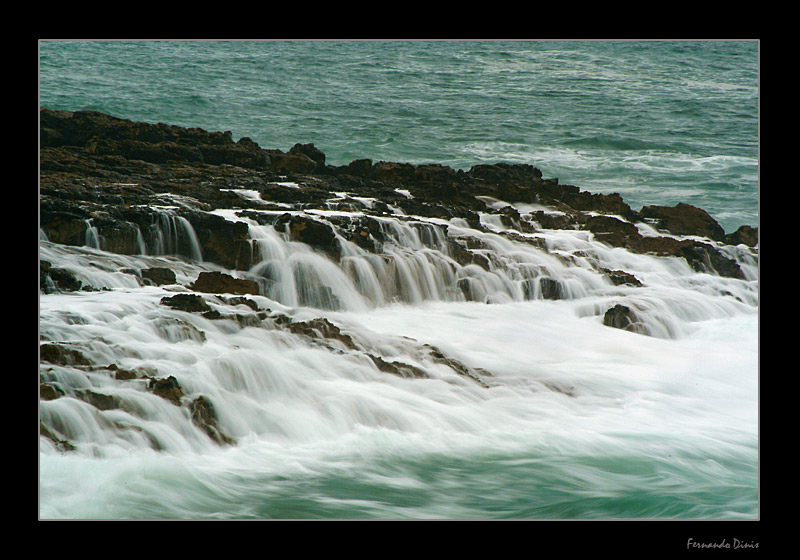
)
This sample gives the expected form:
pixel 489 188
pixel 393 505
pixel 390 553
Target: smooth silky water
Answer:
pixel 574 420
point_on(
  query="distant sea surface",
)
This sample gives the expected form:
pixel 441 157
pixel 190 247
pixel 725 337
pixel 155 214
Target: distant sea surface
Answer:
pixel 660 122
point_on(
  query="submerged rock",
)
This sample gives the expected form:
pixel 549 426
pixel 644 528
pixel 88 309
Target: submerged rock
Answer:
pixel 623 317
pixel 204 416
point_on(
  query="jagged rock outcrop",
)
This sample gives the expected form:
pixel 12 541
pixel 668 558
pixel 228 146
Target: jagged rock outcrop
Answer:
pixel 132 187
pixel 221 283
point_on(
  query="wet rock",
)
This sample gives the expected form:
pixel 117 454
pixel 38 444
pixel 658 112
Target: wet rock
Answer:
pixel 312 152
pixel 398 368
pixel 544 288
pixel 123 374
pixel 613 231
pixel 700 256
pixel 393 172
pixel 62 355
pixel 54 280
pixel 703 257
pixel 222 242
pixel 623 317
pixel 684 219
pixel 622 278
pixel 244 301
pixel 311 232
pixel 502 173
pixel 159 275
pixel 221 283
pixel 172 329
pixel 550 288
pixel 106 135
pixel 115 173
pixel 192 303
pixel 100 401
pixel 168 389
pixel 319 328
pixel 61 444
pixel 745 235
pixel 49 392
pixel 460 368
pixel 204 416
pixel 63 223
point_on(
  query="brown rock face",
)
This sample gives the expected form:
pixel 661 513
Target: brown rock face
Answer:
pixel 130 188
pixel 685 219
pixel 220 283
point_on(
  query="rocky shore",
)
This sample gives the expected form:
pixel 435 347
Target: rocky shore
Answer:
pixel 133 188
pixel 116 174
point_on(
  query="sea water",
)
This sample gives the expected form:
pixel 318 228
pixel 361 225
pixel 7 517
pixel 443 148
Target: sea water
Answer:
pixel 660 122
pixel 577 421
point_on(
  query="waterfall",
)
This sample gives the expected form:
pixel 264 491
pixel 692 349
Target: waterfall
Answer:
pixel 174 235
pixel 92 236
pixel 422 336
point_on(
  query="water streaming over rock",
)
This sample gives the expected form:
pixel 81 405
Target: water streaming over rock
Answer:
pixel 441 339
pixel 235 332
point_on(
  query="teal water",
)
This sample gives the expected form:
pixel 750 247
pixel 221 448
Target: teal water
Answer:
pixel 652 428
pixel 658 122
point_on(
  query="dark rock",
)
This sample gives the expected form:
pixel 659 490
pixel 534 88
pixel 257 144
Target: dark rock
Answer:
pixel 398 368
pixel 221 283
pixel 159 275
pixel 239 300
pixel 311 151
pixel 358 168
pixel 192 303
pixel 66 226
pixel 551 288
pixel 173 329
pixel 112 174
pixel 124 374
pixel 311 232
pixel 99 400
pixel 294 163
pixel 49 392
pixel 106 135
pixel 745 235
pixel 62 355
pixel 204 416
pixel 222 241
pixel 168 389
pixel 319 328
pixel 622 278
pixel 393 172
pixel 52 280
pixel 613 231
pixel 684 219
pixel 466 255
pixel 623 317
pixel 500 173
pixel 703 257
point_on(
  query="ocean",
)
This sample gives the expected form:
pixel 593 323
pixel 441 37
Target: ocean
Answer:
pixel 581 421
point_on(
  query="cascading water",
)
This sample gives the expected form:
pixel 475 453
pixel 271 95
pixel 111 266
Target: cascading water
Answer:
pixel 233 332
pixel 507 363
